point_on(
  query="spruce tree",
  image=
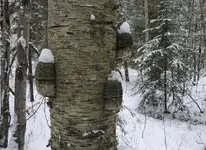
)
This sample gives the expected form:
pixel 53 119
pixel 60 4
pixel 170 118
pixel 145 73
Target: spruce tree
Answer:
pixel 162 66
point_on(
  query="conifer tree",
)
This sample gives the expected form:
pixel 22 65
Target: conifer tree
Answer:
pixel 161 63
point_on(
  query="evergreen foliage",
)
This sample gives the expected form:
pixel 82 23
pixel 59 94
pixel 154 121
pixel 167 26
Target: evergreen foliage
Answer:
pixel 164 71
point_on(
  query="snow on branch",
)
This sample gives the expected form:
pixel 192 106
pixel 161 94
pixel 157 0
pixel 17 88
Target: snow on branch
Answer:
pixel 178 64
pixel 175 46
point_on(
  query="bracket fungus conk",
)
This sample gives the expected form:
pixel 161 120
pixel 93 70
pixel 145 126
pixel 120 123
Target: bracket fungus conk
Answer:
pixel 45 74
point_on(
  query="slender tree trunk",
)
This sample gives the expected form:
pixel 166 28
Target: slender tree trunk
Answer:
pixel 165 83
pixel 1 23
pixel 199 63
pixel 20 96
pixel 27 17
pixel 195 55
pixel 126 70
pixel 26 23
pixel 20 86
pixel 146 20
pixel 30 77
pixel 81 117
pixel 191 12
pixel 202 16
pixel 190 33
pixel 5 61
pixel 194 67
pixel 173 86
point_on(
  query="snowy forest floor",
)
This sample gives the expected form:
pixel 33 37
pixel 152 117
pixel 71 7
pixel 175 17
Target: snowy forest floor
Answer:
pixel 135 131
pixel 140 132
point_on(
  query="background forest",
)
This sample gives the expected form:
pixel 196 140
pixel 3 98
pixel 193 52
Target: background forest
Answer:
pixel 161 68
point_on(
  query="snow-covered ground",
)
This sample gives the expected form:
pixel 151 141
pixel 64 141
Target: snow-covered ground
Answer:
pixel 37 127
pixel 137 131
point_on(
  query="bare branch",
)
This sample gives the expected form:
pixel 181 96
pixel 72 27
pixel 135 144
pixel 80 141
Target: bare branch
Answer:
pixel 35 111
pixel 165 138
pixel 12 61
pixel 46 116
pixel 145 123
pixel 12 92
pixel 35 48
pixel 201 111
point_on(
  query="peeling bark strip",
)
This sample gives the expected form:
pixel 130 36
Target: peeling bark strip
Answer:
pixel 84 55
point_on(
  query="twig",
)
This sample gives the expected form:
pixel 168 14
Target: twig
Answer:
pixel 27 110
pixel 46 116
pixel 12 61
pixel 35 49
pixel 12 92
pixel 200 139
pixel 35 111
pixel 117 69
pixel 145 123
pixel 201 111
pixel 13 49
pixel 130 111
pixel 165 139
pixel 127 144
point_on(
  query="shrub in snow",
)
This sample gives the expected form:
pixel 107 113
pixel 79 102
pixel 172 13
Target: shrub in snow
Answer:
pixel 46 56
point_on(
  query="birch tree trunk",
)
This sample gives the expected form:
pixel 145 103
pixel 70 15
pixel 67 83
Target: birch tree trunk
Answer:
pixel 81 117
